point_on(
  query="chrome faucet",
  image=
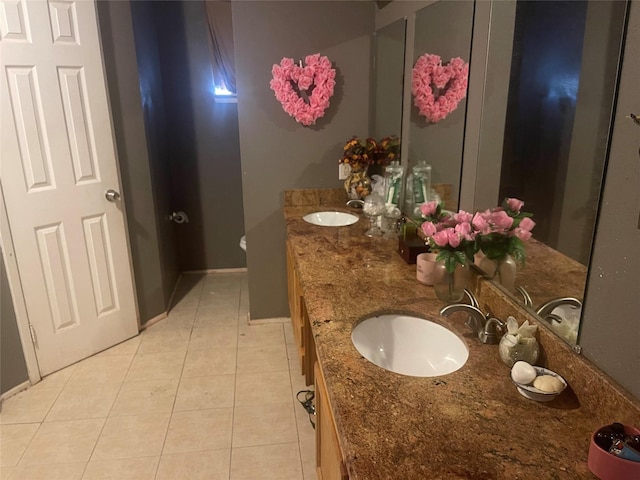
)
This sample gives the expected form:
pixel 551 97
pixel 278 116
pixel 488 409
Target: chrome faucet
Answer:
pixel 487 328
pixel 352 203
pixel 544 310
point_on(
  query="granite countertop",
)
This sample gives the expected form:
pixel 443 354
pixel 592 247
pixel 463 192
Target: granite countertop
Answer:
pixel 470 424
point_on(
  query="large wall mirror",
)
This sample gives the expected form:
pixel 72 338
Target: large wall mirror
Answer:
pixel 544 137
pixel 443 29
pixel 536 126
pixel 388 69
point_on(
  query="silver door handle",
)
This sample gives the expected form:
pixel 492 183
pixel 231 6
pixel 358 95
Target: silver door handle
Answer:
pixel 111 195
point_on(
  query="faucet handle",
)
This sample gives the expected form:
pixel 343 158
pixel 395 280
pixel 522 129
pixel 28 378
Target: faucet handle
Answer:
pixel 492 331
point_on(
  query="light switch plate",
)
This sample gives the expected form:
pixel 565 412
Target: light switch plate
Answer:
pixel 344 170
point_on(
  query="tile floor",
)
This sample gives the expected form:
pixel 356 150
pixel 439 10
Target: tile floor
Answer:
pixel 199 395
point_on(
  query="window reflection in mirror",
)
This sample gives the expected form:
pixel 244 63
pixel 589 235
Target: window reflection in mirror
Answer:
pixel 553 134
pixel 389 78
pixel 444 29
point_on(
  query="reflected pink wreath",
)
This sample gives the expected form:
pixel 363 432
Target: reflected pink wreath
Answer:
pixel 450 81
pixel 316 78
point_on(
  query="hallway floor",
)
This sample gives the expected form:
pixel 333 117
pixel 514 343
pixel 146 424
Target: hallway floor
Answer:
pixel 199 395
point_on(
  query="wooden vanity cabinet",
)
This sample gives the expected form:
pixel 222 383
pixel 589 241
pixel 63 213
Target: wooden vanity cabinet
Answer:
pixel 329 462
pixel 300 320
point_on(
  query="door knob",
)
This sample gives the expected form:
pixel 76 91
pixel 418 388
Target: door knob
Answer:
pixel 111 195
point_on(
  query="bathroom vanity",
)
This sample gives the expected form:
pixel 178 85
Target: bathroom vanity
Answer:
pixel 472 423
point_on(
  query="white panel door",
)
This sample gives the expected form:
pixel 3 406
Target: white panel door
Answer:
pixel 57 161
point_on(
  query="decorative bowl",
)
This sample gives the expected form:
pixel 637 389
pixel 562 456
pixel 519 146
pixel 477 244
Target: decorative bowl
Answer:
pixel 607 466
pixel 532 393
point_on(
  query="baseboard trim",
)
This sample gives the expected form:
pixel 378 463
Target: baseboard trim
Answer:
pixel 15 390
pixel 263 321
pixel 216 270
pixel 154 320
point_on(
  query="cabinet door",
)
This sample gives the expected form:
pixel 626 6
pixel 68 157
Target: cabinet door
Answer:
pixel 295 301
pixel 329 464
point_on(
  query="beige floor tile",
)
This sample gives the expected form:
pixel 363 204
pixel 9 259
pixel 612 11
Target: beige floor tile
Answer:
pixel 298 381
pixel 260 335
pixel 310 474
pixel 132 436
pixel 83 401
pixel 122 469
pixel 288 333
pixel 14 440
pixel 6 472
pixel 227 278
pixel 187 302
pixel 59 378
pixel 220 301
pixel 100 369
pixel 215 317
pixel 295 366
pixel 128 347
pixel 262 359
pixel 199 430
pixel 307 442
pixel 67 471
pixel 214 337
pixel 264 426
pixel 29 406
pixel 282 462
pixel 159 339
pixel 156 366
pixel 146 396
pixel 200 393
pixel 263 389
pixel 210 465
pixel 63 442
pixel 213 361
pixel 178 319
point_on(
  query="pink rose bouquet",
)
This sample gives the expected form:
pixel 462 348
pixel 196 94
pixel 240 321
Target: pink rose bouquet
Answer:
pixel 450 234
pixel 501 231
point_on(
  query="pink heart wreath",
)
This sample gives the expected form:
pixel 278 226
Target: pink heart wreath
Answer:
pixel 451 81
pixel 316 79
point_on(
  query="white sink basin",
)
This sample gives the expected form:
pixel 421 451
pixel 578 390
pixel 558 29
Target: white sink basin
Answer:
pixel 331 219
pixel 410 345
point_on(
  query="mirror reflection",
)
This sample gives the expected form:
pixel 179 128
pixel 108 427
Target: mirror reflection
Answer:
pixel 545 141
pixel 389 78
pixel 443 29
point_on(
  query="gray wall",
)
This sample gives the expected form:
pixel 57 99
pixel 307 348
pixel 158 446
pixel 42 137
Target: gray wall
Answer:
pixel 133 156
pixel 610 330
pixel 278 153
pixel 13 369
pixel 203 144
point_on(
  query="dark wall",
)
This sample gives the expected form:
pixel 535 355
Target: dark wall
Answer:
pixel 13 369
pixel 150 87
pixel 277 152
pixel 203 144
pixel 152 264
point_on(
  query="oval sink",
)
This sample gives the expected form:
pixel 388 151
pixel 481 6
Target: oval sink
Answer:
pixel 331 219
pixel 410 345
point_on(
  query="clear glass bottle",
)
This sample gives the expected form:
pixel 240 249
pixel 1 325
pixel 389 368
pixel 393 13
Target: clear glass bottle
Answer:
pixel 421 183
pixel 393 174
